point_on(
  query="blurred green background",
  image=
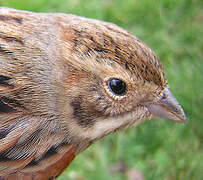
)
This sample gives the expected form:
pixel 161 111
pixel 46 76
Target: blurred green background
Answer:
pixel 158 149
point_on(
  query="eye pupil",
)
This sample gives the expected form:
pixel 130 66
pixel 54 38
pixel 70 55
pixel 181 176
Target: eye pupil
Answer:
pixel 117 86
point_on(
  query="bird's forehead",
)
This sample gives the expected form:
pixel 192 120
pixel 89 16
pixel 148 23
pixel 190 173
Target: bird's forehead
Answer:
pixel 110 42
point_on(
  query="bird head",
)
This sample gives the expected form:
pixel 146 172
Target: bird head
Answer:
pixel 114 79
pixel 67 81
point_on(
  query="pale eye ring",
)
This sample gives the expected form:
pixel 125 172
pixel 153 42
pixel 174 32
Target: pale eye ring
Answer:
pixel 117 86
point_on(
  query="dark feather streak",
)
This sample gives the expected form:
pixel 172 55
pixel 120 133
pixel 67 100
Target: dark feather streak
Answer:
pixel 12 39
pixel 12 103
pixel 4 132
pixel 80 113
pixel 4 80
pixel 10 18
pixel 49 153
pixel 5 108
pixel 5 51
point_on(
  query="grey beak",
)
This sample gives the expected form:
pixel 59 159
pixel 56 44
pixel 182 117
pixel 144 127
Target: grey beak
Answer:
pixel 168 108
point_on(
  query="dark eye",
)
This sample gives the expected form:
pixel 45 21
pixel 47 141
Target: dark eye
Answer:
pixel 117 86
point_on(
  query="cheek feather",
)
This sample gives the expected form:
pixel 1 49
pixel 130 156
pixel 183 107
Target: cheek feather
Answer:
pixel 84 110
pixel 104 126
pixel 79 113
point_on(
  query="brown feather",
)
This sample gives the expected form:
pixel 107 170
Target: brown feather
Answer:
pixel 50 167
pixel 55 99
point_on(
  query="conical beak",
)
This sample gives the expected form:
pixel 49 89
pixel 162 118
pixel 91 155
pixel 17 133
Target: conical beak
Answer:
pixel 168 108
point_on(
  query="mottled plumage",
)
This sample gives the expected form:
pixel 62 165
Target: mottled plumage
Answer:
pixel 67 81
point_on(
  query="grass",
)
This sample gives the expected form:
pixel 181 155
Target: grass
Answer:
pixel 161 150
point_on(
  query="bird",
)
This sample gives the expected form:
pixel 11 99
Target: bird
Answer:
pixel 67 81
